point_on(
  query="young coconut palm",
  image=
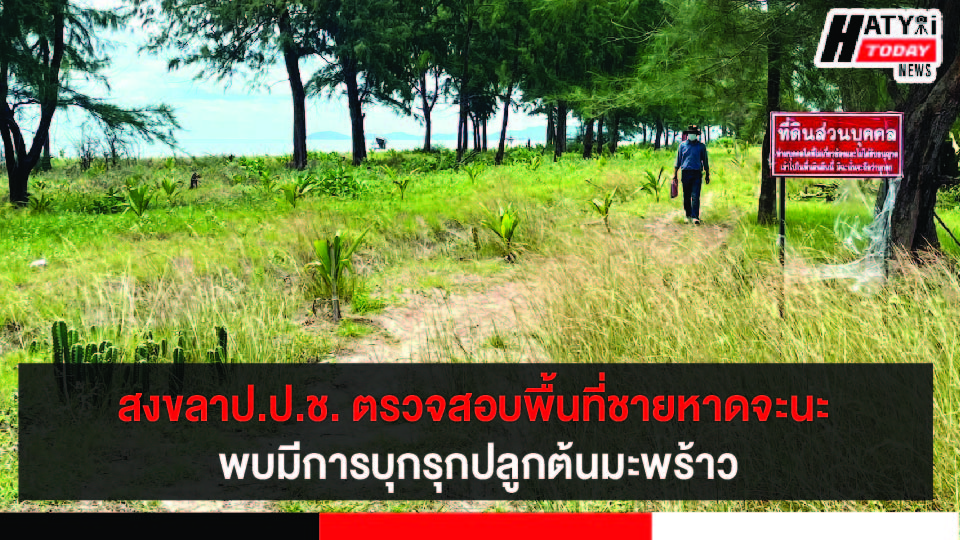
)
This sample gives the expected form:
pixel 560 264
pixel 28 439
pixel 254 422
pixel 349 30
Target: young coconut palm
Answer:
pixel 504 225
pixel 603 207
pixel 139 199
pixel 654 184
pixel 402 181
pixel 333 257
pixel 475 170
pixel 298 189
pixel 170 187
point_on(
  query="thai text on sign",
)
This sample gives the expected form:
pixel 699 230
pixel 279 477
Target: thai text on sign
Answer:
pixel 836 145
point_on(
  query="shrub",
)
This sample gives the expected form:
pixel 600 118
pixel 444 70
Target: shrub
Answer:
pixel 340 182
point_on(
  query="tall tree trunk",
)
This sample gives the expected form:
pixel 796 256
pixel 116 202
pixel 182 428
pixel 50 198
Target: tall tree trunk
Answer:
pixel 561 145
pixel 46 163
pixel 18 186
pixel 551 127
pixel 929 112
pixel 644 130
pixel 291 60
pixel 476 133
pixel 464 88
pixel 600 134
pixel 503 127
pixel 426 111
pixel 484 134
pixel 356 113
pixel 461 133
pixel 766 211
pixel 588 140
pixel 19 161
pixel 615 132
pixel 659 134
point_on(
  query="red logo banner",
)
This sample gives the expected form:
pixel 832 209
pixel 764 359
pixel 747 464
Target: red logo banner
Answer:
pixel 484 526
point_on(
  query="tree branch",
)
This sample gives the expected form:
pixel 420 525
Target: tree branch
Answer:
pixel 50 92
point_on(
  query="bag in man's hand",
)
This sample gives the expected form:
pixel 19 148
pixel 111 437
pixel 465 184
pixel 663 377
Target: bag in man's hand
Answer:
pixel 674 188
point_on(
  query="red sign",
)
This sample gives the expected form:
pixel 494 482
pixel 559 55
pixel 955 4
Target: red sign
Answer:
pixel 898 50
pixel 484 526
pixel 836 145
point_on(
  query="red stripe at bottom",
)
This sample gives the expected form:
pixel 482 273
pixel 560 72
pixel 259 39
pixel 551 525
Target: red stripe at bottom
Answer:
pixel 487 526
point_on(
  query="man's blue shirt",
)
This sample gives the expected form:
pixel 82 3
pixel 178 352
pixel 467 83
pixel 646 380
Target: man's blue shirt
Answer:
pixel 692 156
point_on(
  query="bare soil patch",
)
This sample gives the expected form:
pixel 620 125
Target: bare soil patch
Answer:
pixel 439 326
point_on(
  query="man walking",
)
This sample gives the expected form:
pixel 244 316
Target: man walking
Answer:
pixel 692 160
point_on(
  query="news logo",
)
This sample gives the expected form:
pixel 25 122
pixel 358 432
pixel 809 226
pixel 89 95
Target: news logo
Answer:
pixel 910 41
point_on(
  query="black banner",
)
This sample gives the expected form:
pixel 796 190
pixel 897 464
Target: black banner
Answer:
pixel 476 432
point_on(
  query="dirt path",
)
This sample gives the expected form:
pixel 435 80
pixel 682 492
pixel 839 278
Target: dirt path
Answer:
pixel 669 239
pixel 436 326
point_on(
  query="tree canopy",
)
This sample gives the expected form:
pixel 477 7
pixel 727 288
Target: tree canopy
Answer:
pixel 45 47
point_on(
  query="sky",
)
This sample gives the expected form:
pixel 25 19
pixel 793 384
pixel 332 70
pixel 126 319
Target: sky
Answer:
pixel 237 117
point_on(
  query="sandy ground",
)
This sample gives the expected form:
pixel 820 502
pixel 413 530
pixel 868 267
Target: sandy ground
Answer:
pixel 433 326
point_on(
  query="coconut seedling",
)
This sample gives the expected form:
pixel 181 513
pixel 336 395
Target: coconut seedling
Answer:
pixel 333 259
pixel 170 187
pixel 401 181
pixel 139 199
pixel 534 162
pixel 298 189
pixel 603 207
pixel 653 184
pixel 504 225
pixel 475 170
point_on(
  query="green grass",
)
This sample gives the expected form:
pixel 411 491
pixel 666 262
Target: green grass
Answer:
pixel 353 329
pixel 229 254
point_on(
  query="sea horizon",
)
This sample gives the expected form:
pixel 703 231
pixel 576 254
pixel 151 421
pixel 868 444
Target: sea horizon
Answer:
pixel 269 147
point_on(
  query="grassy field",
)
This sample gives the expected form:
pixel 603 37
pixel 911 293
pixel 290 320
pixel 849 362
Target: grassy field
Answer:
pixel 234 253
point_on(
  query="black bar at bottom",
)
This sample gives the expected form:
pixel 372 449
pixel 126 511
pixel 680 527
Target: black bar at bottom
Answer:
pixel 182 525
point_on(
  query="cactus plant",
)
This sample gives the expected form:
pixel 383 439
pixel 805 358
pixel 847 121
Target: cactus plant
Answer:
pixel 76 354
pixel 59 342
pixel 222 343
pixel 179 369
pixel 215 356
pixel 72 337
pixel 69 355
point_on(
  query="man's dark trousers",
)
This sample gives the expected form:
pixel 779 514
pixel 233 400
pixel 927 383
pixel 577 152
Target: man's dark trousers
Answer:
pixel 692 180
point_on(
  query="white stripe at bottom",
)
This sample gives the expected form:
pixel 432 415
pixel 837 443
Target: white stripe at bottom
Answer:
pixel 806 526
